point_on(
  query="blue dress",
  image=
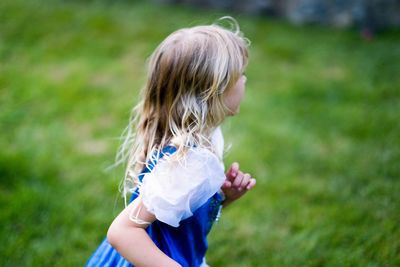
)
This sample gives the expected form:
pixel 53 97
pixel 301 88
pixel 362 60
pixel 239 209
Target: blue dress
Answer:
pixel 186 244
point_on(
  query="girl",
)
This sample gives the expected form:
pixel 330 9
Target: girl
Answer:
pixel 174 148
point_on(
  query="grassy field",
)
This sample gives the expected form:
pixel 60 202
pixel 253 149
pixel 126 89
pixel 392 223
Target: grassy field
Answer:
pixel 319 128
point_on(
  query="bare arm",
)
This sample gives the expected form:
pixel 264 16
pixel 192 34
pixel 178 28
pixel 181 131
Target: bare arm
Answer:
pixel 131 240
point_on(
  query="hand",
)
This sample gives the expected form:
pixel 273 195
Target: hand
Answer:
pixel 236 184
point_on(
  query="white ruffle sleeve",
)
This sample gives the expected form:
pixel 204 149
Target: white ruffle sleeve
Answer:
pixel 175 189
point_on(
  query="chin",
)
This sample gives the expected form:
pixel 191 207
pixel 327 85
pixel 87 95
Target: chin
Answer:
pixel 233 113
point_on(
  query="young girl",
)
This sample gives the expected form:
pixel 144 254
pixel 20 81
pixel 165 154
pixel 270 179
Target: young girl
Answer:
pixel 174 148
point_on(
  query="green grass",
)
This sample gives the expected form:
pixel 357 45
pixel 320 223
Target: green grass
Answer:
pixel 319 128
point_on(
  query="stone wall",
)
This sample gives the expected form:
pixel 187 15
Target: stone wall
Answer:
pixel 372 14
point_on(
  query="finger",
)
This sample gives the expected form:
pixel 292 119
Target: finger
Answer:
pixel 227 184
pixel 233 171
pixel 245 181
pixel 251 183
pixel 238 179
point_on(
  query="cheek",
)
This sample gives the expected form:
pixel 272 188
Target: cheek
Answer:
pixel 234 96
pixel 242 91
pixel 233 101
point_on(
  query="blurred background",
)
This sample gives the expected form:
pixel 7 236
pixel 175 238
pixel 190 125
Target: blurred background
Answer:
pixel 319 127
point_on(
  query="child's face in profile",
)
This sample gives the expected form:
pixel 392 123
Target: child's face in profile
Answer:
pixel 233 96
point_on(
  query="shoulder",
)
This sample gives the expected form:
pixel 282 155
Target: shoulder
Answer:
pixel 199 158
pixel 176 187
pixel 217 139
pixel 197 163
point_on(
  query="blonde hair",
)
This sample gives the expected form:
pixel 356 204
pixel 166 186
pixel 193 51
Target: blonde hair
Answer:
pixel 182 101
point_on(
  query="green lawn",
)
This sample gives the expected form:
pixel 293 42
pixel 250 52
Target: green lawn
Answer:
pixel 319 128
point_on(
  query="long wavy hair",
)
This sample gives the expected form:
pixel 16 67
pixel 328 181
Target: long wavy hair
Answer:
pixel 182 101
